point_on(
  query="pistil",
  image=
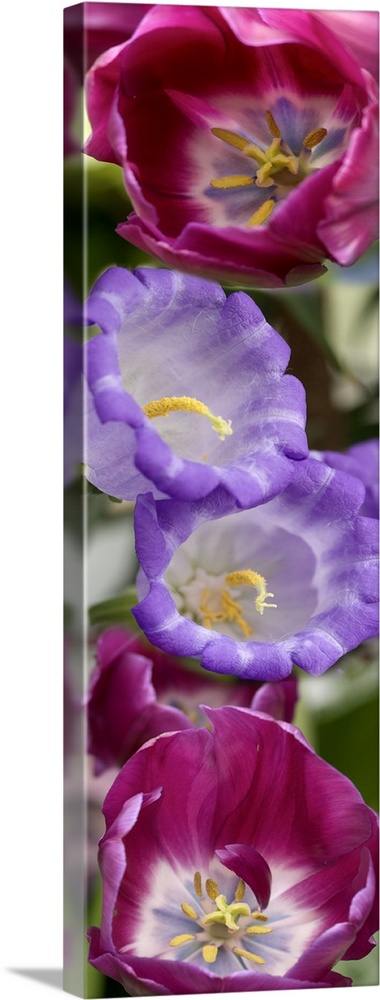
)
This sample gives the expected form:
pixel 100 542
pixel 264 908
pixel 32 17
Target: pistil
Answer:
pixel 248 577
pixel 170 404
pixel 227 914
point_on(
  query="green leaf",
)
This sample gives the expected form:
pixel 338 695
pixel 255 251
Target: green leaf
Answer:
pixel 115 611
pixel 94 981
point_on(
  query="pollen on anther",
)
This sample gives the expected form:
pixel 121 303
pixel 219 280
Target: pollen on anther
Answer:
pixel 181 939
pixel 234 181
pixel 258 930
pixel 212 888
pixel 314 138
pixel 257 915
pixel 233 138
pixel 209 952
pixel 248 954
pixel 262 213
pixel 240 890
pixel 189 911
pixel 272 125
pixel 198 884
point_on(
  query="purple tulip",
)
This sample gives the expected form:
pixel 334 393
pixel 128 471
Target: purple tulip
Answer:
pixel 293 581
pixel 136 692
pixel 233 860
pixel 358 30
pixel 257 166
pixel 92 28
pixel 187 391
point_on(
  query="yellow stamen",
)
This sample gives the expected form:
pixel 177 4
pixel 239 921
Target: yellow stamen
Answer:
pixel 247 954
pixel 234 181
pixel 257 915
pixel 170 404
pixel 198 884
pixel 232 138
pixel 248 577
pixel 209 952
pixel 189 911
pixel 314 138
pixel 229 610
pixel 212 888
pixel 245 147
pixel 181 939
pixel 192 715
pixel 240 890
pixel 258 930
pixel 262 213
pixel 234 613
pixel 277 165
pixel 272 125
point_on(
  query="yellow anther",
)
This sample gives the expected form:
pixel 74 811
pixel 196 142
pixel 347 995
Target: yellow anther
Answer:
pixel 234 181
pixel 209 952
pixel 189 911
pixel 248 954
pixel 272 125
pixel 227 610
pixel 192 715
pixel 257 915
pixel 209 614
pixel 314 138
pixel 181 939
pixel 249 578
pixel 262 213
pixel 277 165
pixel 232 138
pixel 258 930
pixel 170 404
pixel 245 147
pixel 240 890
pixel 197 881
pixel 234 613
pixel 212 888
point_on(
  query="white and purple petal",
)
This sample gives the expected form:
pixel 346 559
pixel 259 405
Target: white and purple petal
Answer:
pixel 317 557
pixel 153 315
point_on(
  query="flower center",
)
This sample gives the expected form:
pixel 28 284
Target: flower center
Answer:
pixel 226 927
pixel 278 167
pixel 170 404
pixel 221 606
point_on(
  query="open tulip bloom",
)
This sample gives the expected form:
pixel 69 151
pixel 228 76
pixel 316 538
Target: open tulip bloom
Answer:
pixel 233 860
pixel 252 161
pixel 187 391
pixel 251 593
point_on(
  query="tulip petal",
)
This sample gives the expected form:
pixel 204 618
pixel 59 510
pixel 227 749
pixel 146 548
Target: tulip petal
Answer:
pixel 250 866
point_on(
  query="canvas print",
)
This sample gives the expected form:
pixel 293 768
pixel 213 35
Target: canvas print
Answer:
pixel 221 499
